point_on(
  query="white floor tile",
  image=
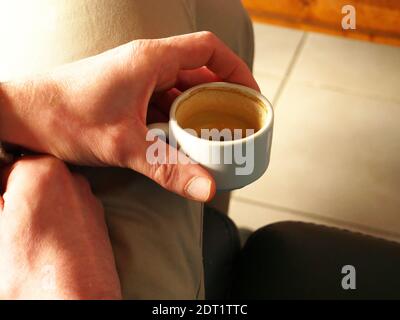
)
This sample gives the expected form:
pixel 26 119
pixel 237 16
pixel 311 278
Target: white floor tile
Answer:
pixel 356 66
pixel 336 156
pixel 269 85
pixel 250 216
pixel 274 48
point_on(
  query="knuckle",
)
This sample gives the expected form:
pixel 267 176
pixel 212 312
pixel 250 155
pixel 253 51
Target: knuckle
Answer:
pixel 208 36
pixel 134 46
pixel 116 147
pixel 166 175
pixel 50 168
pixel 42 167
pixel 116 141
pixel 140 47
pixel 139 43
pixel 47 173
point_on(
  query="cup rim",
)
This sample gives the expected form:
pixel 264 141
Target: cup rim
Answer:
pixel 266 125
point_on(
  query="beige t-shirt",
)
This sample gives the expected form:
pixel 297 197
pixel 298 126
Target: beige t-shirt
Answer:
pixel 37 35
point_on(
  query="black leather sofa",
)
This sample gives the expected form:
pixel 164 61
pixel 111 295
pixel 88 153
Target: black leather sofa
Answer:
pixel 295 260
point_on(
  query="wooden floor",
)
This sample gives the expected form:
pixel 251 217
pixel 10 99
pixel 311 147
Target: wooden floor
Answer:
pixel 376 20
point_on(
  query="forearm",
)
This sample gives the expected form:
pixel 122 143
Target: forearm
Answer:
pixel 8 114
pixel 21 116
pixel 4 114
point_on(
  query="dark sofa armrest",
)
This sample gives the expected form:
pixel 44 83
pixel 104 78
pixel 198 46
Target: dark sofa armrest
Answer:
pixel 294 260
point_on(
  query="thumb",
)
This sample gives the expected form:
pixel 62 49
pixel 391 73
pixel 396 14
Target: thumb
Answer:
pixel 172 170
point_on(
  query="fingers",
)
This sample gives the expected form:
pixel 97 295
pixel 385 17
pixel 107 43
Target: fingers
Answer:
pixel 172 170
pixel 161 102
pixel 84 189
pixel 32 177
pixel 200 49
pixel 23 173
pixel 190 78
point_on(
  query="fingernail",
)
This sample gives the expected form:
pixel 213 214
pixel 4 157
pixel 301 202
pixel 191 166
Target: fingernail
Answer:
pixel 198 188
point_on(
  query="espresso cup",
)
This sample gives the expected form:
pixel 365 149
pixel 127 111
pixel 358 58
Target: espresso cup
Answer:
pixel 226 128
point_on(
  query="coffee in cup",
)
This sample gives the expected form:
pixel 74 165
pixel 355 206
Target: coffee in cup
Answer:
pixel 226 128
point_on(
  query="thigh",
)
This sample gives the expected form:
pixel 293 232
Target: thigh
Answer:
pixel 156 236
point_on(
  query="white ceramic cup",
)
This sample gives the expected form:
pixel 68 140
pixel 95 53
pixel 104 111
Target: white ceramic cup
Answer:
pixel 235 163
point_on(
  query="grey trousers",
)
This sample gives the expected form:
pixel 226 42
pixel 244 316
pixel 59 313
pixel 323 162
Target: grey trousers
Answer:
pixel 156 235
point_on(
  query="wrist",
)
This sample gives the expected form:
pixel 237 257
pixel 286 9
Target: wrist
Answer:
pixel 12 96
pixel 22 112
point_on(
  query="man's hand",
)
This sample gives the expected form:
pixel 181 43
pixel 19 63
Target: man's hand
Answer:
pixel 95 111
pixel 53 238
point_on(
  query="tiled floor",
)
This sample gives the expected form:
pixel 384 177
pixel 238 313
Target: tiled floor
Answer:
pixel 336 149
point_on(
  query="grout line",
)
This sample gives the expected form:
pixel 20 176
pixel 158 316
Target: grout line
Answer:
pixel 338 223
pixel 293 61
pixel 345 91
pixel 325 86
